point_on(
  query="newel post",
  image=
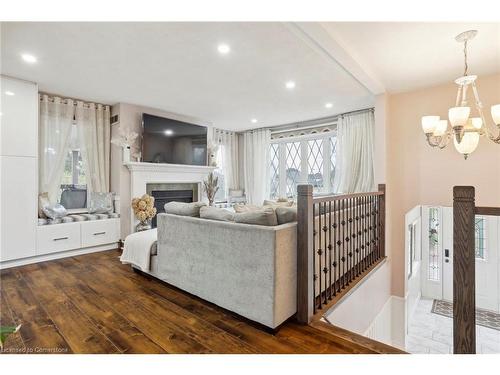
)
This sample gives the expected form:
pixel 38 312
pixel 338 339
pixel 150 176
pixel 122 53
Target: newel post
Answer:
pixel 381 208
pixel 304 253
pixel 464 277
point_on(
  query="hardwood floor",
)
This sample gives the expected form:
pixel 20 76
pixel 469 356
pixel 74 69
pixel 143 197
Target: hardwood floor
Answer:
pixel 94 304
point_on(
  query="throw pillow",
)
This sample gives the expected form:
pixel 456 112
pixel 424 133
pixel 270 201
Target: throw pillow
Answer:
pixel 100 203
pixel 184 209
pixel 265 216
pixel 55 211
pixel 286 214
pixel 43 201
pixel 214 213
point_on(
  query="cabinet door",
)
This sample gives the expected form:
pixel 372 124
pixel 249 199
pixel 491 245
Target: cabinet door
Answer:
pixel 18 207
pixel 19 120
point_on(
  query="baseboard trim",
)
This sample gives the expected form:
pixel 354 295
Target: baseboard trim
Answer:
pixel 54 256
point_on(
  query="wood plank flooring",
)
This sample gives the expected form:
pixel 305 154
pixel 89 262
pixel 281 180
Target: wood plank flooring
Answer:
pixel 94 304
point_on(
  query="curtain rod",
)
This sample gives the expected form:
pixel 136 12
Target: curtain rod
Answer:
pixel 52 96
pixel 310 123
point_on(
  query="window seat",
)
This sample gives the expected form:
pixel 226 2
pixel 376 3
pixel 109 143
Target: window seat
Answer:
pixel 78 218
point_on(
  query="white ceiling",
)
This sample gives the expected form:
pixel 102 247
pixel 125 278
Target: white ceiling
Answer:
pixel 407 56
pixel 176 67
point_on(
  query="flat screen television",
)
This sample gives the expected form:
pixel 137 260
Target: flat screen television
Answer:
pixel 173 142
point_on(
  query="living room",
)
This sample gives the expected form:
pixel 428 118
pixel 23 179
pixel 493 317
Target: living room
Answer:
pixel 245 184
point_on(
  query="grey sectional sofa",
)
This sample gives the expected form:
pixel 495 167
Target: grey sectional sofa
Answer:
pixel 248 269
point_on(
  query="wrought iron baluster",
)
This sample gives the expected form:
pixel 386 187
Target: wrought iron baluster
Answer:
pixel 319 255
pixel 325 268
pixel 330 248
pixel 314 258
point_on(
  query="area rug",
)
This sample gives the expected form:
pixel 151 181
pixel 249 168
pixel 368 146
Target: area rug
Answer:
pixel 484 318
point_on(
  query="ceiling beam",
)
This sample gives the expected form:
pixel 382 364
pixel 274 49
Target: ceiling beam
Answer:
pixel 325 42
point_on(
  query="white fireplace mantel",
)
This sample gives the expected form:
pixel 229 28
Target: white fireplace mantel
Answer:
pixel 142 174
pixel 168 168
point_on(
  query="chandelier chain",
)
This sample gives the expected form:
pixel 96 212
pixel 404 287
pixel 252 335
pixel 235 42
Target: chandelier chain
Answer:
pixel 466 66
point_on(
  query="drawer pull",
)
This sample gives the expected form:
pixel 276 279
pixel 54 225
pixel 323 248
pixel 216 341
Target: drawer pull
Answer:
pixel 60 238
pixel 99 233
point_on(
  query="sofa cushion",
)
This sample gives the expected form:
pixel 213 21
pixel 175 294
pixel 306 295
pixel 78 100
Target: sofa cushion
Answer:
pixel 215 213
pixel 265 216
pixel 286 214
pixel 278 203
pixel 184 209
pixel 245 207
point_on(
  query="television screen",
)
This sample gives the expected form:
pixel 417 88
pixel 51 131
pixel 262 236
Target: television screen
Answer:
pixel 174 142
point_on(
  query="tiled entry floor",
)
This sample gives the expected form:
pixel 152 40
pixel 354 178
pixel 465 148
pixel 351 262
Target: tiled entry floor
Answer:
pixel 433 333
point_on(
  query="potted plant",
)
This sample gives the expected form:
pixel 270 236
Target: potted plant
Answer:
pixel 210 186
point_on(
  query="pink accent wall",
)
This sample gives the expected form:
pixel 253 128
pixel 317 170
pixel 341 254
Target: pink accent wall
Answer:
pixel 418 174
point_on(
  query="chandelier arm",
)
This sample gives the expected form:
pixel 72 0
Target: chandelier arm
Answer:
pixel 459 92
pixel 432 140
pixel 485 128
pixel 466 66
pixel 445 139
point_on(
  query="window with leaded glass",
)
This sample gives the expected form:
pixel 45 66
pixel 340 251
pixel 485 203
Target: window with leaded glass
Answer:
pixel 275 167
pixel 293 167
pixel 480 237
pixel 333 158
pixel 434 253
pixel 315 164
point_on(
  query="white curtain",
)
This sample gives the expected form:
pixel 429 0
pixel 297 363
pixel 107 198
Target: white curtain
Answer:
pixel 56 119
pixel 355 138
pixel 93 123
pixel 256 165
pixel 228 141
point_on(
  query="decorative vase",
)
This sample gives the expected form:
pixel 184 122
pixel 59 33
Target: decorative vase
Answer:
pixel 143 225
pixel 126 154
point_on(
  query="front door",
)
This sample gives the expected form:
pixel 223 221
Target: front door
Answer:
pixel 487 259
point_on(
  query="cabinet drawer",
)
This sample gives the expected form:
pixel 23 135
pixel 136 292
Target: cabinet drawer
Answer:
pixel 100 232
pixel 58 237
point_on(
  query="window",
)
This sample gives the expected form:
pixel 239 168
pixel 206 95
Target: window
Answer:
pixel 315 164
pixel 480 237
pixel 434 254
pixel 74 173
pixel 302 159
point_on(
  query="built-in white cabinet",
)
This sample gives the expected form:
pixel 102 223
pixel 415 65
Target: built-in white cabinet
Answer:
pixel 18 206
pixel 18 168
pixel 57 238
pixel 79 235
pixel 19 119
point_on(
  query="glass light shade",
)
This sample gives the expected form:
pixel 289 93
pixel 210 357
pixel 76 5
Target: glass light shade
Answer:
pixel 458 115
pixel 476 122
pixel 495 113
pixel 441 127
pixel 468 144
pixel 429 123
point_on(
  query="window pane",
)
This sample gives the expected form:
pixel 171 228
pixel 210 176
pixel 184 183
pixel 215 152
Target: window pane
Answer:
pixel 292 168
pixel 434 259
pixel 275 166
pixel 333 160
pixel 315 163
pixel 480 237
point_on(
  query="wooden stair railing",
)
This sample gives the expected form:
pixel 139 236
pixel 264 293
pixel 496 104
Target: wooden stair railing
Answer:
pixel 464 267
pixel 340 239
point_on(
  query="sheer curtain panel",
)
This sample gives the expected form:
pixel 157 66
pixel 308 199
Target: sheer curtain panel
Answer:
pixel 256 165
pixel 229 142
pixel 93 123
pixel 355 138
pixel 56 119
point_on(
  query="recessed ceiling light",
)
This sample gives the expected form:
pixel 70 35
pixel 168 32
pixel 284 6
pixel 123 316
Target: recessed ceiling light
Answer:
pixel 29 58
pixel 9 93
pixel 328 105
pixel 254 121
pixel 169 132
pixel 290 85
pixel 223 49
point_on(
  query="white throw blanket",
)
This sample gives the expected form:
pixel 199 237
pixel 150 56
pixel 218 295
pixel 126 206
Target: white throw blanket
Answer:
pixel 137 248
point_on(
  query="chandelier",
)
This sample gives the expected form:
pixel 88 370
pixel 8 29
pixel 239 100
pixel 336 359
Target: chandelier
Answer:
pixel 465 130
